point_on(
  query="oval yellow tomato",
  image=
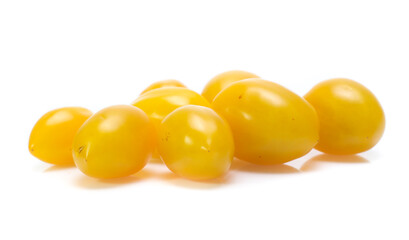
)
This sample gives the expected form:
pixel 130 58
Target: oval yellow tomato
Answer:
pixel 115 142
pixel 52 136
pixel 270 124
pixel 158 103
pixel 163 84
pixel 196 143
pixel 351 118
pixel 221 81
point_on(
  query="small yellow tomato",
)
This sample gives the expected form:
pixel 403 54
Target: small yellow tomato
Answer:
pixel 115 142
pixel 52 136
pixel 196 143
pixel 351 118
pixel 221 81
pixel 270 124
pixel 158 103
pixel 163 84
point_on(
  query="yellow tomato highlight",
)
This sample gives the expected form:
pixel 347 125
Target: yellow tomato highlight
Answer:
pixel 115 142
pixel 221 81
pixel 164 84
pixel 196 143
pixel 52 136
pixel 351 118
pixel 270 124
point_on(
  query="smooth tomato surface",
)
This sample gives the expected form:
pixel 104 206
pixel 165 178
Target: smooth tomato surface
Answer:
pixel 52 136
pixel 196 143
pixel 158 103
pixel 164 84
pixel 270 124
pixel 351 118
pixel 221 81
pixel 115 142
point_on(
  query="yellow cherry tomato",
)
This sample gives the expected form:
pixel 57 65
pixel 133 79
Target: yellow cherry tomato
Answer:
pixel 221 81
pixel 196 143
pixel 164 84
pixel 270 124
pixel 351 118
pixel 158 103
pixel 52 136
pixel 115 142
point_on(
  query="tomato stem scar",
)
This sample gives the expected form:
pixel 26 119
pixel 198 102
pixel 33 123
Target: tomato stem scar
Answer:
pixel 80 149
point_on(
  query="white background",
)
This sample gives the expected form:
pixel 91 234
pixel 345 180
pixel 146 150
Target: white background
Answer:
pixel 100 53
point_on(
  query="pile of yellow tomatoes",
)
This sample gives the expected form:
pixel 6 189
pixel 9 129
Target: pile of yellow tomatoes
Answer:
pixel 197 136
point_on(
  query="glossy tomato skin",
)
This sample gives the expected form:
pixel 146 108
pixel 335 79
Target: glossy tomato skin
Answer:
pixel 270 124
pixel 196 143
pixel 52 136
pixel 115 142
pixel 351 118
pixel 158 103
pixel 164 84
pixel 221 81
